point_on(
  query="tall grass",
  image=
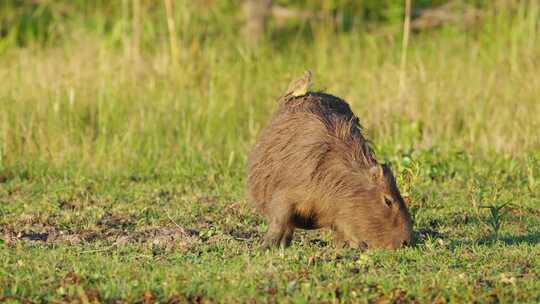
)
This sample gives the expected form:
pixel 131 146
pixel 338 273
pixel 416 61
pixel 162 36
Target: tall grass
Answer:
pixel 81 98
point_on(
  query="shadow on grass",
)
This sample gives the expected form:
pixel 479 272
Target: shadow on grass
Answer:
pixel 423 234
pixel 531 238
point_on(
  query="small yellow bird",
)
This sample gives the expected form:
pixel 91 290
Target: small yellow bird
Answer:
pixel 300 86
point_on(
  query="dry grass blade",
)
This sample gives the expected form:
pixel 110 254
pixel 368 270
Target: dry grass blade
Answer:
pixel 171 25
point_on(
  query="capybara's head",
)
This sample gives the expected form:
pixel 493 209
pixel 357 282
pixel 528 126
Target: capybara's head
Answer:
pixel 384 221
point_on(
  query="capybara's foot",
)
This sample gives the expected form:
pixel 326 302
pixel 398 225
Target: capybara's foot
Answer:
pixel 278 236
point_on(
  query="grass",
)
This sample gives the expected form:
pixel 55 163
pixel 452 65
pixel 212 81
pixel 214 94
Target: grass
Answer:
pixel 122 171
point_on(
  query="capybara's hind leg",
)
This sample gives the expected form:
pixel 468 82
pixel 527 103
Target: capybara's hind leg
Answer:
pixel 280 229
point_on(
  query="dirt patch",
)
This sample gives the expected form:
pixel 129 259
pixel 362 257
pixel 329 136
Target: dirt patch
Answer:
pixel 167 237
pixel 38 234
pixel 116 221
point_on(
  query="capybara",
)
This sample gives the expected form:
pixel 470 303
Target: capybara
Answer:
pixel 312 168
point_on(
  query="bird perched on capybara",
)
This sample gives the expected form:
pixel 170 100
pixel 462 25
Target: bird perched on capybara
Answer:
pixel 312 168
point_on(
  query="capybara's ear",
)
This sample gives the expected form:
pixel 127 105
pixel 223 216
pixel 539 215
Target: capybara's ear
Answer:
pixel 376 172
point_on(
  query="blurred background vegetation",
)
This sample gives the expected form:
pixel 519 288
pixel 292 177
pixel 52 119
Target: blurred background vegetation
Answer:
pixel 143 84
pixel 48 22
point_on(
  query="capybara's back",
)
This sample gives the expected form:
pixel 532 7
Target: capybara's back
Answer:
pixel 312 168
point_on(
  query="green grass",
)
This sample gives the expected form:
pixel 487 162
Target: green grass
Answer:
pixel 179 234
pixel 122 172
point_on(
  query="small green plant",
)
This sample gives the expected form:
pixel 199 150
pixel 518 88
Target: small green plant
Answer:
pixel 495 221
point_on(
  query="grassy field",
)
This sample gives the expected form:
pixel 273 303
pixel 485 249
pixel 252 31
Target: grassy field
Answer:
pixel 122 160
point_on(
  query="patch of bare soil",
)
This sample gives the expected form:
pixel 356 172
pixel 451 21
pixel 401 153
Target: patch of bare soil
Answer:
pixel 116 221
pixel 117 229
pixel 167 237
pixel 114 229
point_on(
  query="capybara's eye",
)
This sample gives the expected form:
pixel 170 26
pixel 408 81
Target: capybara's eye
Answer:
pixel 388 201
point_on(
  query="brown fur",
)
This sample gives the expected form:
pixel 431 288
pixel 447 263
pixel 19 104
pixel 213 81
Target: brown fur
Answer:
pixel 312 168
